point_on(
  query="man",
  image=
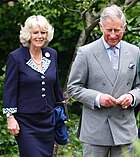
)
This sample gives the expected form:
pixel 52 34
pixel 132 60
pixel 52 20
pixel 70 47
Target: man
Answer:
pixel 108 86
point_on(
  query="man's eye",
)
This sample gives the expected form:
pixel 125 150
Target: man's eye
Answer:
pixel 109 30
pixel 116 30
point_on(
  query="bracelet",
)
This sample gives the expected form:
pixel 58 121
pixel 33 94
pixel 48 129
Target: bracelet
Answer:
pixel 8 115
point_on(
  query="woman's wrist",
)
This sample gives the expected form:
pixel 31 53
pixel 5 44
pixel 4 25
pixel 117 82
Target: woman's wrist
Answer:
pixel 9 115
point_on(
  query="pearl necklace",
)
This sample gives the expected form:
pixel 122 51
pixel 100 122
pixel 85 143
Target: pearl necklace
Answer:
pixel 37 62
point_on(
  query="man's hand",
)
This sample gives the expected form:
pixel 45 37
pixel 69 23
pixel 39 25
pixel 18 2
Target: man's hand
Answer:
pixel 125 100
pixel 107 100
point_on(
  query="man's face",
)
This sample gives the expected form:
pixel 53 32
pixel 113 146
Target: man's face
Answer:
pixel 112 31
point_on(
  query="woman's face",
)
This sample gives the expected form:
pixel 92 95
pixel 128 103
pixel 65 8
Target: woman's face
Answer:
pixel 38 37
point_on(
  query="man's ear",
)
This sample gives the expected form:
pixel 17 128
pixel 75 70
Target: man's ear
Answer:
pixel 125 26
pixel 101 27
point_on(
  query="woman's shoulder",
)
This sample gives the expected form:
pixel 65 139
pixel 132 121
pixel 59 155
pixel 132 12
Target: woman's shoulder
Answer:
pixel 18 51
pixel 48 51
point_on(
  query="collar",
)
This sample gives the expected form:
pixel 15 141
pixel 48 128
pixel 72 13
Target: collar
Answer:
pixel 45 51
pixel 108 46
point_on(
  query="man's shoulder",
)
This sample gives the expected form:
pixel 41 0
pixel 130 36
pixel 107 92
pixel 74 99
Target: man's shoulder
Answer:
pixel 91 46
pixel 128 45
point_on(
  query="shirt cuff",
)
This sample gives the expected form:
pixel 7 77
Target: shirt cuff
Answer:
pixel 9 110
pixel 134 101
pixel 97 101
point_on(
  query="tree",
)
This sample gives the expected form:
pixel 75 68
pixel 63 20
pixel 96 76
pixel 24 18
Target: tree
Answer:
pixel 88 11
pixel 7 1
pixel 85 14
pixel 75 23
pixel 11 17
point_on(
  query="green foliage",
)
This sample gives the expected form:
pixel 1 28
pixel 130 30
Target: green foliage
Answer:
pixel 65 16
pixel 11 18
pixel 137 148
pixel 72 149
pixel 7 141
pixel 74 146
pixel 133 22
pixel 138 119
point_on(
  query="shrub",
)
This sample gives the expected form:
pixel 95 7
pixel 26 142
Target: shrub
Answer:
pixel 7 141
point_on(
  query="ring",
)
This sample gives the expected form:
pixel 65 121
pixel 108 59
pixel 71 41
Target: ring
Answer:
pixel 124 107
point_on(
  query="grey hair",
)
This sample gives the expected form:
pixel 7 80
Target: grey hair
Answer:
pixel 32 22
pixel 111 12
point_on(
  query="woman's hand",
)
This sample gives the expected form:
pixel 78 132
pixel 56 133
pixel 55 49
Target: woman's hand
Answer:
pixel 12 126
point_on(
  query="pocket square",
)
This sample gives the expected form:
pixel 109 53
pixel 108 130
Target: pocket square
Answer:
pixel 131 65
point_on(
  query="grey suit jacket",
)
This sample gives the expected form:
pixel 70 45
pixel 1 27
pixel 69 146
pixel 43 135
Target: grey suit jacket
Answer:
pixel 92 74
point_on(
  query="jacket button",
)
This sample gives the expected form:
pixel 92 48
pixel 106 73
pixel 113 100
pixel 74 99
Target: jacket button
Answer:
pixel 103 84
pixel 43 82
pixel 42 76
pixel 43 89
pixel 123 116
pixel 109 116
pixel 43 95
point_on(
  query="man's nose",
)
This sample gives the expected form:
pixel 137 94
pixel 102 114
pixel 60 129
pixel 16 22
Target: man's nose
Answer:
pixel 112 34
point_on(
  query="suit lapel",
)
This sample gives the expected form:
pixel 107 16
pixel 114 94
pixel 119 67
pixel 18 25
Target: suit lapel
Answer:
pixel 45 61
pixel 104 61
pixel 123 67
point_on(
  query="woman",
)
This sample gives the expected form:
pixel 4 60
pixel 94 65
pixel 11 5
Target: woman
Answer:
pixel 32 89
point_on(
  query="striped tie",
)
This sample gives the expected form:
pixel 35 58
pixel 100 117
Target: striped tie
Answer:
pixel 114 59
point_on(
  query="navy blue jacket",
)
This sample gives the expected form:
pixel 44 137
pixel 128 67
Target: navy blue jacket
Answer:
pixel 27 90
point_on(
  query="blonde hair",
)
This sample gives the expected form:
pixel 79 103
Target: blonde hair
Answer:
pixel 32 22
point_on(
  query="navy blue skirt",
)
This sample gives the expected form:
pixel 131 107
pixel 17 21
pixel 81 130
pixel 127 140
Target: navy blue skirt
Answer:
pixel 36 137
